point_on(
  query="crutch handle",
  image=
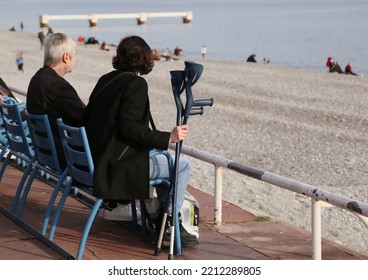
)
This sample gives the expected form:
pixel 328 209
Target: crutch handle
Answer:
pixel 193 72
pixel 177 81
pixel 203 102
pixel 196 111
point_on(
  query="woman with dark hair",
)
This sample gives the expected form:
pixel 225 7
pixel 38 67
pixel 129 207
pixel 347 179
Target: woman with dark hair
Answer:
pixel 121 133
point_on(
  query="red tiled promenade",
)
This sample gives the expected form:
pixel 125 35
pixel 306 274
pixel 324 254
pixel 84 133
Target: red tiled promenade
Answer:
pixel 240 237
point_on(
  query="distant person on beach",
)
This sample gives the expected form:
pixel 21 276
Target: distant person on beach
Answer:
pixel 349 69
pixel 156 54
pixel 338 67
pixel 177 51
pixel 335 67
pixel 92 41
pixel 252 58
pixel 21 26
pixel 41 37
pixel 332 66
pixel 118 118
pixel 204 51
pixel 50 31
pixel 104 47
pixel 328 62
pixel 49 93
pixel 80 39
pixel 167 55
pixel 19 61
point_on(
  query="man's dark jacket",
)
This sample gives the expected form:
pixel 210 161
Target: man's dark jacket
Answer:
pixel 48 93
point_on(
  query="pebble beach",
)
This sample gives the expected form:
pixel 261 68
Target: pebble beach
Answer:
pixel 307 125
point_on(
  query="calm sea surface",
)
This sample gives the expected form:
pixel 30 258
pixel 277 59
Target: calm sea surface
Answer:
pixel 299 33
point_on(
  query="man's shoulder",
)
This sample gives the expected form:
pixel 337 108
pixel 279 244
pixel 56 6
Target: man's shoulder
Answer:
pixel 44 72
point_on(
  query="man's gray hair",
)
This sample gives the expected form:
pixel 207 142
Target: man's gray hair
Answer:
pixel 56 45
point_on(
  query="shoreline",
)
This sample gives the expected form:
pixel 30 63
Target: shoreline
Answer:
pixel 304 124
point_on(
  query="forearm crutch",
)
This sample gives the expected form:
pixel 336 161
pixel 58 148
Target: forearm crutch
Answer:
pixel 180 81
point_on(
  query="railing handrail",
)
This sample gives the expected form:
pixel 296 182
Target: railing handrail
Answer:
pixel 339 201
pixel 18 91
pixel 317 195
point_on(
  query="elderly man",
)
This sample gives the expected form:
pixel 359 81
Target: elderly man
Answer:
pixel 49 93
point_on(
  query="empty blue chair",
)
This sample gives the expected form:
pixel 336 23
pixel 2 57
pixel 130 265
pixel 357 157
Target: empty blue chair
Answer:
pixel 20 144
pixel 3 139
pixel 46 160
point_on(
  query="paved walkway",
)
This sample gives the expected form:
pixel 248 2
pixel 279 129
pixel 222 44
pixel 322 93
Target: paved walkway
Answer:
pixel 240 236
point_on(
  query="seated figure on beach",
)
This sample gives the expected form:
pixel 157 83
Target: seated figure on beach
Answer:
pixel 167 55
pixel 335 67
pixel 49 93
pixel 91 41
pixel 328 62
pixel 121 133
pixel 349 69
pixel 80 39
pixel 252 58
pixel 156 54
pixel 338 67
pixel 177 51
pixel 104 47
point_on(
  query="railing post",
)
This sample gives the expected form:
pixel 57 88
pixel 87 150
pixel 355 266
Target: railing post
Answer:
pixel 316 230
pixel 218 196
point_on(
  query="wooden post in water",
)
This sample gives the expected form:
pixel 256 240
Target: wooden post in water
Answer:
pixel 142 18
pixel 188 18
pixel 93 20
pixel 44 21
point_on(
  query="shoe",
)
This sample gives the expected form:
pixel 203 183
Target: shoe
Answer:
pixel 123 212
pixel 185 242
pixel 185 234
pixel 186 239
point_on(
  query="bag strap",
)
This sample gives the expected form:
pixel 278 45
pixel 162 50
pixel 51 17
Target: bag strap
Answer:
pixel 109 82
pixel 113 79
pixel 152 123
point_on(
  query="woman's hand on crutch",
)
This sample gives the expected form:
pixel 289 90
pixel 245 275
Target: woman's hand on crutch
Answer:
pixel 179 133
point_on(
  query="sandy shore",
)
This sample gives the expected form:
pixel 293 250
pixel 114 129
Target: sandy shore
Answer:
pixel 307 125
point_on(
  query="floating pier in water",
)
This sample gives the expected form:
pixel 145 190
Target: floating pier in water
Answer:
pixel 141 18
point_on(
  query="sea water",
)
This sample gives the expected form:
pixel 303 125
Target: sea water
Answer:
pixel 297 33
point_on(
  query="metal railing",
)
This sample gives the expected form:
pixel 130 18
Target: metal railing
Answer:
pixel 319 198
pixel 18 91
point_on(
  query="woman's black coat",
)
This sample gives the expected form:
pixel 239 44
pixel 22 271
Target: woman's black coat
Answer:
pixel 117 124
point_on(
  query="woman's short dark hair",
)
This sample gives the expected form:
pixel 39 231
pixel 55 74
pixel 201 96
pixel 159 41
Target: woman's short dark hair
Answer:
pixel 133 54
